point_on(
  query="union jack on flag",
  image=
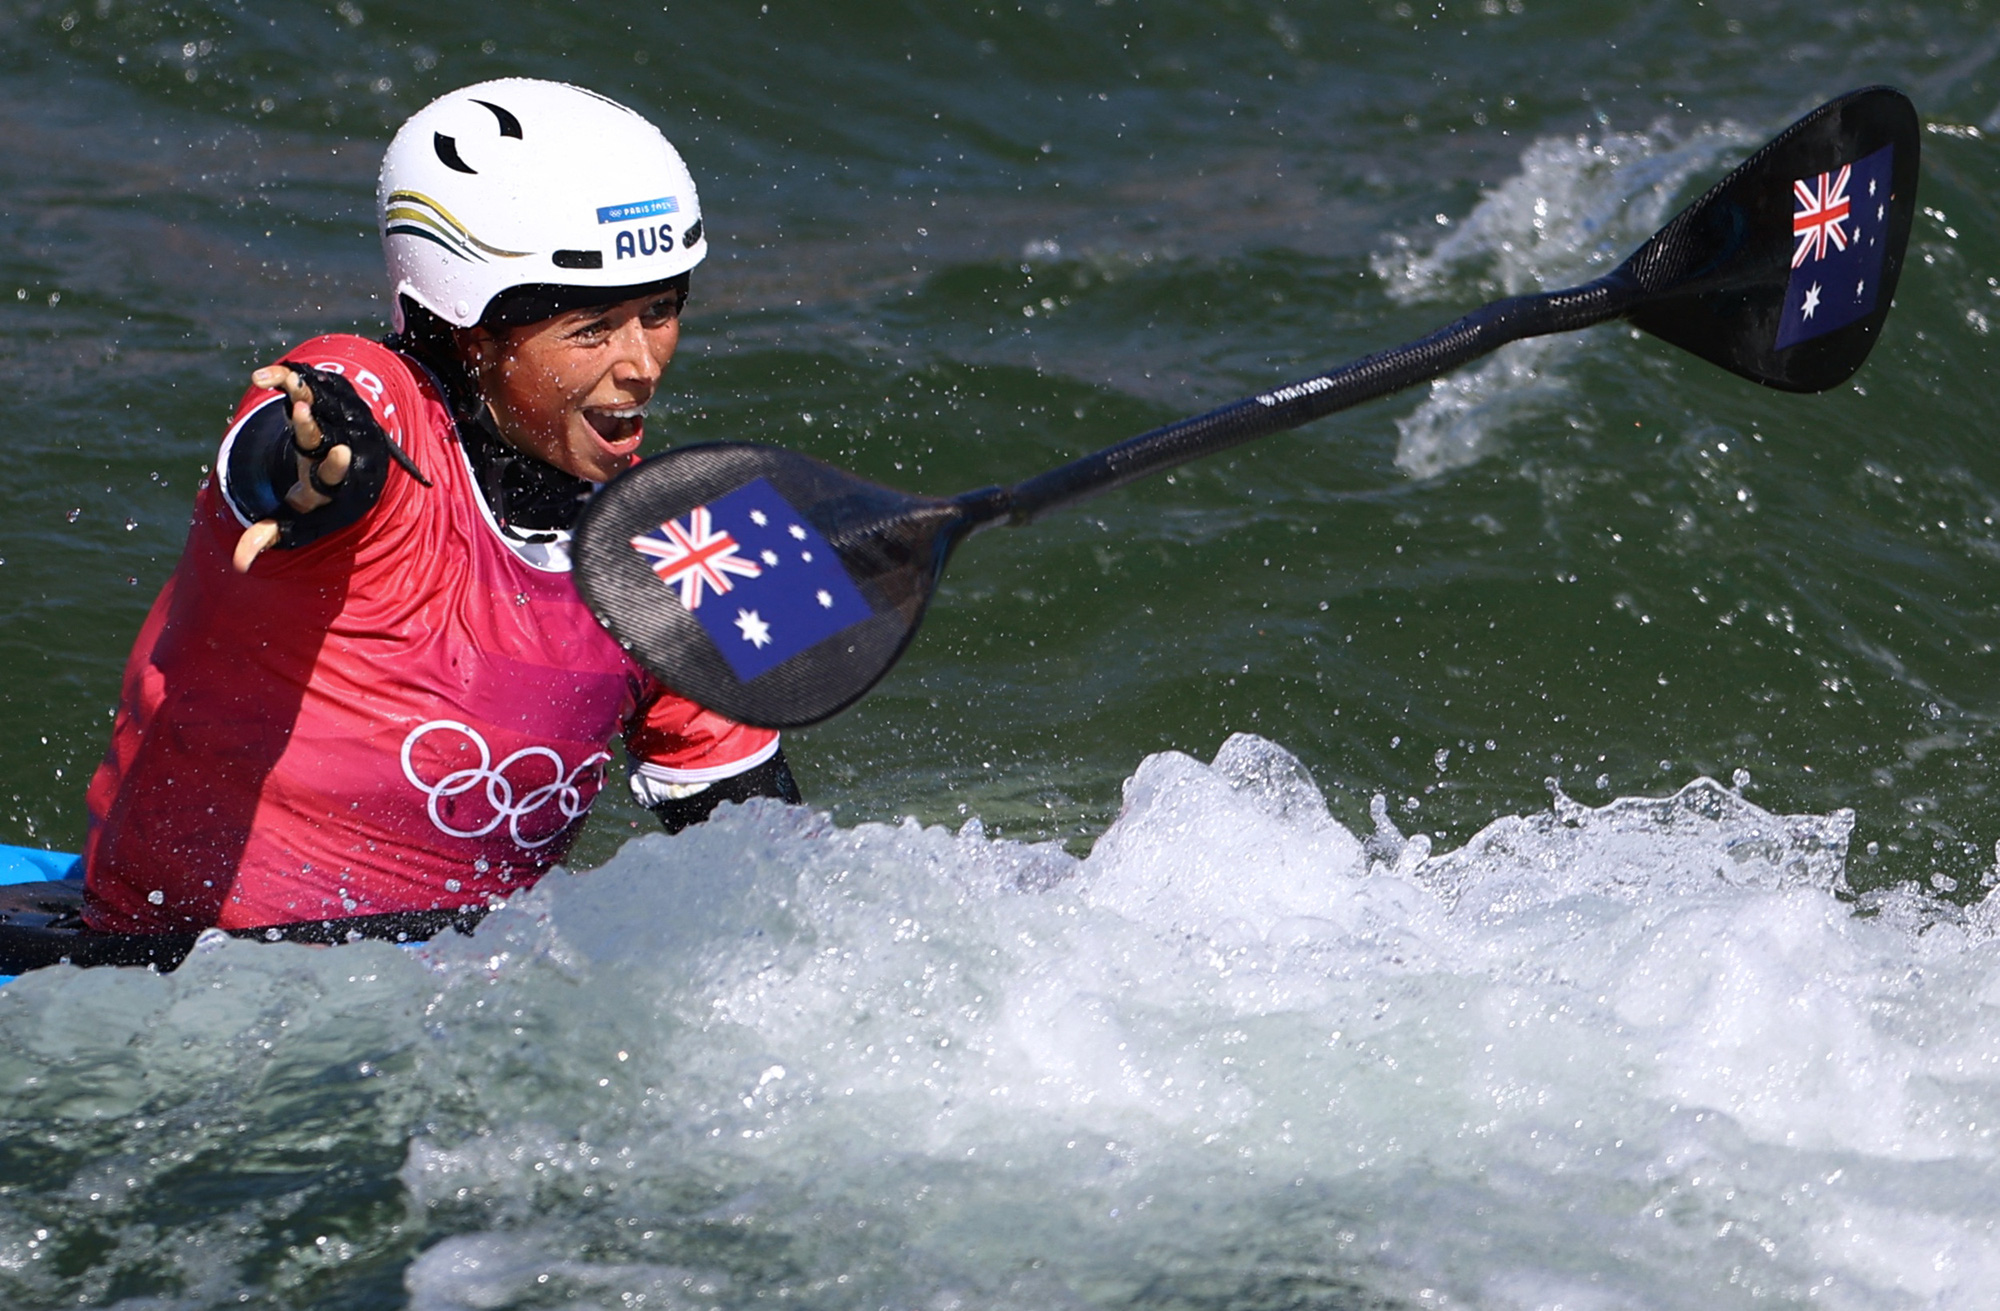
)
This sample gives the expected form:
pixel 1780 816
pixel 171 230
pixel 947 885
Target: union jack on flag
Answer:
pixel 1840 229
pixel 694 556
pixel 1821 214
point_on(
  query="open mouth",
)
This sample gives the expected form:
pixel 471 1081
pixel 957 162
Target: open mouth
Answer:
pixel 615 428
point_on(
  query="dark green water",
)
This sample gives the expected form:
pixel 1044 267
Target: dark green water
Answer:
pixel 1189 198
pixel 957 244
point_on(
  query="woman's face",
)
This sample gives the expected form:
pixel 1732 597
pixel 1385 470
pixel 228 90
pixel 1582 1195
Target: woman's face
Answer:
pixel 572 390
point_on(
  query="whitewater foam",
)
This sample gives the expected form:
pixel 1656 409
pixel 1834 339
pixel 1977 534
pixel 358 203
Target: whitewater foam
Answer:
pixel 1651 1054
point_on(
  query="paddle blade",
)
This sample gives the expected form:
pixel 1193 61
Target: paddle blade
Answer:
pixel 758 582
pixel 1785 270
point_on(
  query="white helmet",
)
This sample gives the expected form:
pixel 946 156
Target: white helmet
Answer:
pixel 537 188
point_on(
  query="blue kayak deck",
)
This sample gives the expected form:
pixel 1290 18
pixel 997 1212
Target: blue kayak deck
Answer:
pixel 27 865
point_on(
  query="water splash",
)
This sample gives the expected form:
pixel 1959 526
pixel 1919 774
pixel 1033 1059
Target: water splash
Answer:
pixel 1651 1053
pixel 1576 209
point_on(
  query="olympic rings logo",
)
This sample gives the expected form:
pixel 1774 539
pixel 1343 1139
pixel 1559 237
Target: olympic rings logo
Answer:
pixel 508 808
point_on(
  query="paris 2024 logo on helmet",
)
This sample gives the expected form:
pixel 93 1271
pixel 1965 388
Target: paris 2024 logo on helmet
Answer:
pixel 520 182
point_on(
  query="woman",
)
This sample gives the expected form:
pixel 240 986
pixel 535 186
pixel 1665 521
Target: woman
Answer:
pixel 370 700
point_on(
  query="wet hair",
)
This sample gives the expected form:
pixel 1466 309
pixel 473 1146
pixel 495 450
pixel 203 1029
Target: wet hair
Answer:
pixel 428 339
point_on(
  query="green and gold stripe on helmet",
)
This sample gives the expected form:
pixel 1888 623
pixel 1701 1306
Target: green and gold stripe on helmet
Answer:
pixel 413 214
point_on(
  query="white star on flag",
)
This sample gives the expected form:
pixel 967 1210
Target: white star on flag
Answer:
pixel 824 597
pixel 1812 302
pixel 797 532
pixel 769 557
pixel 755 631
pixel 759 518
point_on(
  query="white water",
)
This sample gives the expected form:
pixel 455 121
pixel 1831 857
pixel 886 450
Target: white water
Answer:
pixel 1576 210
pixel 1640 1056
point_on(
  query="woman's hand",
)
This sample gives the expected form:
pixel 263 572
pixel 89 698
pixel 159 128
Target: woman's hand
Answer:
pixel 326 467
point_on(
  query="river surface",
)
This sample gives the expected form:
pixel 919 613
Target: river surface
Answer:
pixel 1521 844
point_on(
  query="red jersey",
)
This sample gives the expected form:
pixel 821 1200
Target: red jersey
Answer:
pixel 404 715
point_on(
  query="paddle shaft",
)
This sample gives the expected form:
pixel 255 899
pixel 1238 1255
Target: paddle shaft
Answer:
pixel 1478 333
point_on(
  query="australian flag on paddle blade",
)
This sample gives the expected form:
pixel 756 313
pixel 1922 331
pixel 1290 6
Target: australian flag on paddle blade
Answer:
pixel 1840 220
pixel 761 580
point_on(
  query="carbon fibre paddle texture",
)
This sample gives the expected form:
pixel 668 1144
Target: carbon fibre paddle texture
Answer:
pixel 892 546
pixel 1716 278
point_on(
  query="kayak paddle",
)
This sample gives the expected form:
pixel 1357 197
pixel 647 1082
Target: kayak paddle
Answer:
pixel 777 589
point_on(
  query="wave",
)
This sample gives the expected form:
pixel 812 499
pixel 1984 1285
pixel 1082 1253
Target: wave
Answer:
pixel 1578 207
pixel 1650 1053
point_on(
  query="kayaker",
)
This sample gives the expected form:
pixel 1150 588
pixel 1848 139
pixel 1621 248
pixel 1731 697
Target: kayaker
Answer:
pixel 370 693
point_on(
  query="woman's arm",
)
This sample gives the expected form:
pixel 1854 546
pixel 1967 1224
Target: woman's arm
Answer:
pixel 773 778
pixel 686 761
pixel 308 464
